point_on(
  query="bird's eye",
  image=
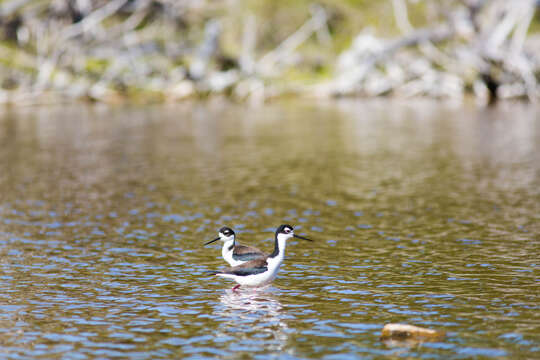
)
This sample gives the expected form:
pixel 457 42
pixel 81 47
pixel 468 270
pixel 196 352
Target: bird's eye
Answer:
pixel 287 231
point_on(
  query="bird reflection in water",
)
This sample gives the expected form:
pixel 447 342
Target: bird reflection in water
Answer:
pixel 253 316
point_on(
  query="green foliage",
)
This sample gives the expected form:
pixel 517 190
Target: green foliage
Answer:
pixel 96 66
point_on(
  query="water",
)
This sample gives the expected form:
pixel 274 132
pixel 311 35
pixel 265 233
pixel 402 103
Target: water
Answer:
pixel 422 213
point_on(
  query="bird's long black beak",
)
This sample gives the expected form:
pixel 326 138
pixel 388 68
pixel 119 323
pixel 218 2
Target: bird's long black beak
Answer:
pixel 301 237
pixel 211 241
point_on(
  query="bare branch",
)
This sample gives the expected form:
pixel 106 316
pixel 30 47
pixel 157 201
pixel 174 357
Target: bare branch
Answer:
pixel 92 20
pixel 318 20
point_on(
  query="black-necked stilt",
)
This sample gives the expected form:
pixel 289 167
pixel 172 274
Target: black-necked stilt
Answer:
pixel 262 271
pixel 234 253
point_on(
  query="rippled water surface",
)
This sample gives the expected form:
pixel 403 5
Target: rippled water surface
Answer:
pixel 421 213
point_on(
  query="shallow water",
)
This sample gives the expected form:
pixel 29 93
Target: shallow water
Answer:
pixel 422 213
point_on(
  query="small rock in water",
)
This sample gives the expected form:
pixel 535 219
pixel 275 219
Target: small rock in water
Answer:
pixel 404 331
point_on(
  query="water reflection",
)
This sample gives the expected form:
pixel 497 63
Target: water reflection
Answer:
pixel 423 213
pixel 255 316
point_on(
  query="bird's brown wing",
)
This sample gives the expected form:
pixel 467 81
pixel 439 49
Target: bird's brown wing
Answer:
pixel 246 253
pixel 252 267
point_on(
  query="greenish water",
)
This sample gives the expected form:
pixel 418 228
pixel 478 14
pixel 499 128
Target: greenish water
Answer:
pixel 422 213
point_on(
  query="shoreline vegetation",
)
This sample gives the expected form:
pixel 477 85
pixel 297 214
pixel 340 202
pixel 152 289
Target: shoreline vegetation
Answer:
pixel 253 51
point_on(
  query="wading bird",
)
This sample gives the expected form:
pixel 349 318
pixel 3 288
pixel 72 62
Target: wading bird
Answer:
pixel 262 271
pixel 234 253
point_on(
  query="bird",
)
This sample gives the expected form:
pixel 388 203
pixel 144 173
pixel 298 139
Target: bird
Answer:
pixel 234 253
pixel 261 271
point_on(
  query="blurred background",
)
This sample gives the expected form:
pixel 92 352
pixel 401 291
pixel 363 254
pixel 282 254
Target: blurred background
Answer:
pixel 166 120
pixel 253 50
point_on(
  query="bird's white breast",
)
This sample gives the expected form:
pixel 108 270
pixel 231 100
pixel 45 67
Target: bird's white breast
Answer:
pixel 228 254
pixel 261 279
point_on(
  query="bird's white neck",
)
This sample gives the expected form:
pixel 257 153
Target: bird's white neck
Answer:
pixel 275 260
pixel 282 244
pixel 279 246
pixel 228 246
